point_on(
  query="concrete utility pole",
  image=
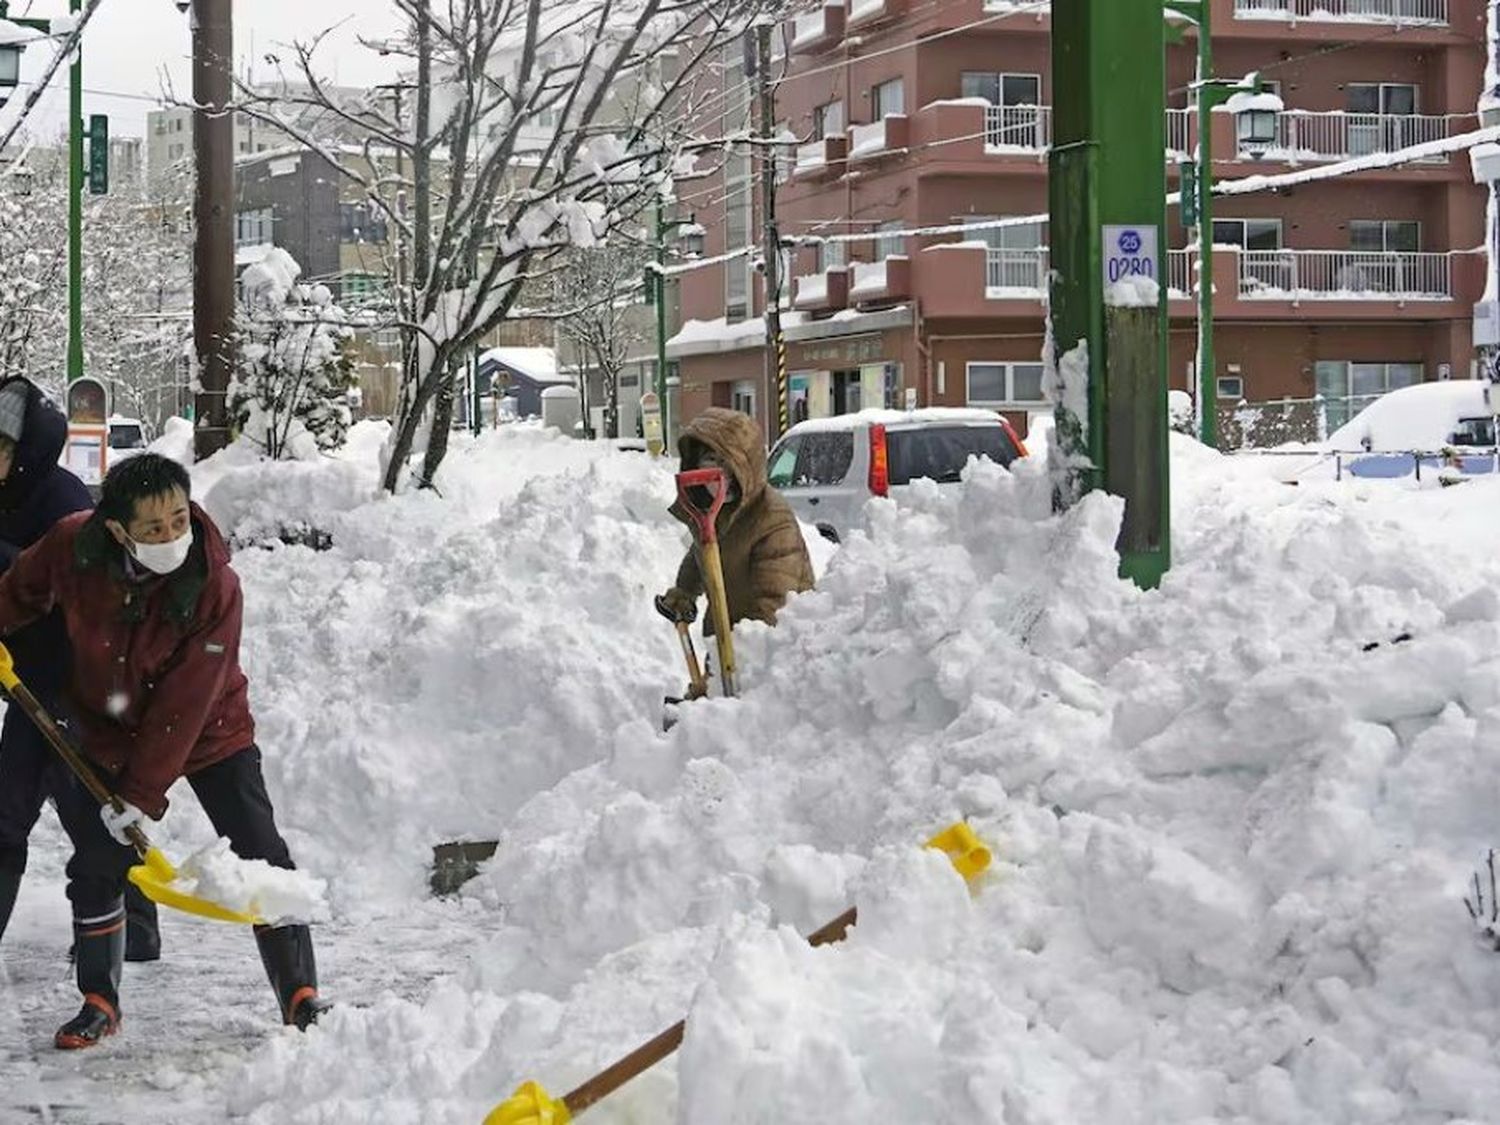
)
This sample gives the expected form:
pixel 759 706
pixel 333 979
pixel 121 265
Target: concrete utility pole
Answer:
pixel 1485 163
pixel 213 216
pixel 776 380
pixel 1109 304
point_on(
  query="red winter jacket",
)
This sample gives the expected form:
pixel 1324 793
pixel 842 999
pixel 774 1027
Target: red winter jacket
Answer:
pixel 156 682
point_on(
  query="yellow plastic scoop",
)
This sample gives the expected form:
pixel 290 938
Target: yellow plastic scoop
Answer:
pixel 155 875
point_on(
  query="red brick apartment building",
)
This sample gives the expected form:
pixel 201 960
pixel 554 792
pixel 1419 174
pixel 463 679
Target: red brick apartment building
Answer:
pixel 929 113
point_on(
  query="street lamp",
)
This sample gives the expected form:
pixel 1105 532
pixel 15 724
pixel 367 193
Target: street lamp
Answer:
pixel 1256 118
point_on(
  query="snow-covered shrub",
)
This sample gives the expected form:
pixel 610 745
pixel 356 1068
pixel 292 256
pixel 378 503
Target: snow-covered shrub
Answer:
pixel 289 394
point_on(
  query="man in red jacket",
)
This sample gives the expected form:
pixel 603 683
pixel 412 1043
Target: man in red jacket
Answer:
pixel 153 611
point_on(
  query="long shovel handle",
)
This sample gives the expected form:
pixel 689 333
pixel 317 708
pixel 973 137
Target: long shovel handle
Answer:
pixel 718 603
pixel 39 715
pixel 695 670
pixel 650 1053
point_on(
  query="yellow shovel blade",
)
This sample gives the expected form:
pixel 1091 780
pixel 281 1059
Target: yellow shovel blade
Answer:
pixel 530 1105
pixel 963 848
pixel 155 877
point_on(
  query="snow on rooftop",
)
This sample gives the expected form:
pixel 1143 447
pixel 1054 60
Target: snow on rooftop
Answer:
pixel 537 364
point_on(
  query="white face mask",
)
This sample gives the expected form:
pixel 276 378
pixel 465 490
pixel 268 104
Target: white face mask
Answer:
pixel 163 558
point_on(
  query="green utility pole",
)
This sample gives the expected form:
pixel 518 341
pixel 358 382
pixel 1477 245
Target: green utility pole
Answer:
pixel 1108 214
pixel 75 211
pixel 1212 92
pixel 75 189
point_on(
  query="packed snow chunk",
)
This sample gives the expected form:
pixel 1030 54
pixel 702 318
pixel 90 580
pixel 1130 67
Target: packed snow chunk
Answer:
pixel 252 886
pixel 1133 293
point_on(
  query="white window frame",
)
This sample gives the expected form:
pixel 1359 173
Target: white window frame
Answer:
pixel 878 111
pixel 1385 234
pixel 1230 387
pixel 742 394
pixel 1010 401
pixel 821 116
pixel 1245 231
pixel 1000 76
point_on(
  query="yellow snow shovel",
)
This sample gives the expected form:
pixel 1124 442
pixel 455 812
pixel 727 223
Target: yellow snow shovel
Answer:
pixel 155 873
pixel 532 1105
pixel 706 522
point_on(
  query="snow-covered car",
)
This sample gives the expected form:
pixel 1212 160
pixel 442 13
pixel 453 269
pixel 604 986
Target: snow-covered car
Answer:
pixel 127 437
pixel 1441 426
pixel 829 468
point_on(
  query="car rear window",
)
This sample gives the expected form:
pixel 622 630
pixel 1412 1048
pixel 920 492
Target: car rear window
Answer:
pixel 940 452
pixel 125 437
pixel 824 458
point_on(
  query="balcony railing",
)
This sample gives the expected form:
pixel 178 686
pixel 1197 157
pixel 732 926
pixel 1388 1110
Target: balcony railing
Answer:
pixel 1345 275
pixel 1016 273
pixel 1180 131
pixel 1304 136
pixel 1400 12
pixel 1024 128
pixel 1180 269
pixel 1012 5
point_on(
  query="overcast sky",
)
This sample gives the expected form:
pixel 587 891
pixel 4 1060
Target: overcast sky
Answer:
pixel 131 44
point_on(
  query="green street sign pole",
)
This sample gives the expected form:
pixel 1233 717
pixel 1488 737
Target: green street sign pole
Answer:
pixel 1108 220
pixel 75 211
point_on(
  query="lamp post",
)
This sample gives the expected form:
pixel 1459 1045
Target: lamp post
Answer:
pixel 10 78
pixel 1255 128
pixel 656 290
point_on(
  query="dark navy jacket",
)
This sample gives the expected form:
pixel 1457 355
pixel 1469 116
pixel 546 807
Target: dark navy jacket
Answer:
pixel 37 493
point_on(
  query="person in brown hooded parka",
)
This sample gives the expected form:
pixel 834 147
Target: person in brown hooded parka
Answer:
pixel 760 542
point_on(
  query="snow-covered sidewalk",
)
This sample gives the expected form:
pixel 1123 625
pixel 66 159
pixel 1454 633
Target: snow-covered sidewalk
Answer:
pixel 1230 842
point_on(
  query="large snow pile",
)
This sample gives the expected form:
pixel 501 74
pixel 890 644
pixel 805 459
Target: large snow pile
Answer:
pixel 1230 840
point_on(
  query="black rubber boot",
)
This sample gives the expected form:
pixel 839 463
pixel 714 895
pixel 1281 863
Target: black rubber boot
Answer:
pixel 100 945
pixel 10 886
pixel 142 931
pixel 287 954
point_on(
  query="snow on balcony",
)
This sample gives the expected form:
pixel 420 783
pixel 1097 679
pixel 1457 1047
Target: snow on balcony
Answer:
pixel 820 28
pixel 1345 275
pixel 813 157
pixel 887 135
pixel 1404 13
pixel 812 290
pixel 871 279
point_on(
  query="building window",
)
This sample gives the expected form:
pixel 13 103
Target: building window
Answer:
pixel 1389 99
pixel 888 245
pixel 1232 387
pixel 174 152
pixel 888 98
pixel 253 228
pixel 831 256
pixel 1346 387
pixel 828 120
pixel 1005 384
pixel 1003 89
pixel 742 398
pixel 1248 234
pixel 362 288
pixel 359 222
pixel 739 201
pixel 1385 236
pixel 1026 236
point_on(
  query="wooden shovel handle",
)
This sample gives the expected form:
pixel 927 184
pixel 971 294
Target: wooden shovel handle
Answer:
pixel 648 1054
pixel 44 722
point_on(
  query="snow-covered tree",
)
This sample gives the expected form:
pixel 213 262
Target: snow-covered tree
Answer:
pixel 33 276
pixel 531 127
pixel 137 290
pixel 289 394
pixel 599 291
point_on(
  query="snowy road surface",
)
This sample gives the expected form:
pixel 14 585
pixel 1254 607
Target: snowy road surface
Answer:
pixel 1230 840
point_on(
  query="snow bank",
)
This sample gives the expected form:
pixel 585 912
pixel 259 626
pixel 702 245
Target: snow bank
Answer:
pixel 1229 839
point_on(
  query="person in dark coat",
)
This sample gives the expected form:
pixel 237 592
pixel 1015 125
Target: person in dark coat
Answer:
pixel 154 611
pixel 35 493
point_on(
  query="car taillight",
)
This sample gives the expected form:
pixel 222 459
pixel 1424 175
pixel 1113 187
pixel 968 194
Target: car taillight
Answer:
pixel 880 463
pixel 1016 438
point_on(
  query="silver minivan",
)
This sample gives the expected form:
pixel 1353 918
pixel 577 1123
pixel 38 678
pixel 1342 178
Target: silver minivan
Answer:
pixel 829 468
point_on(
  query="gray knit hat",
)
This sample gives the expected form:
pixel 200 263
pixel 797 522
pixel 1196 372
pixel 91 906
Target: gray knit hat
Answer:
pixel 13 410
